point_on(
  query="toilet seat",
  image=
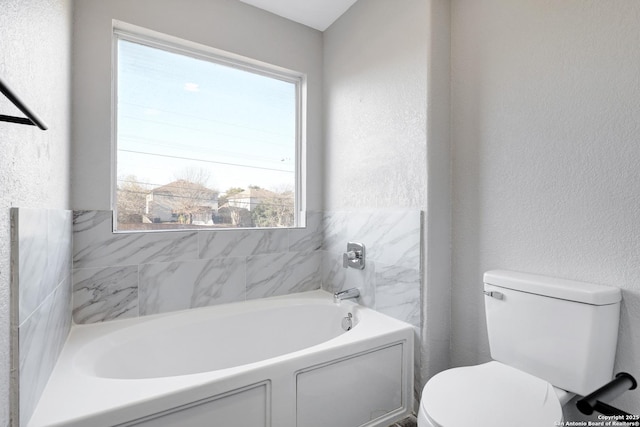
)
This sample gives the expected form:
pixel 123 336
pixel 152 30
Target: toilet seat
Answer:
pixel 491 394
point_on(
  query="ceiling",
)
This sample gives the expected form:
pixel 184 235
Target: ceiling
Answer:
pixel 318 14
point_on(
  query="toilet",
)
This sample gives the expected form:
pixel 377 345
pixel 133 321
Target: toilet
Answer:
pixel 550 339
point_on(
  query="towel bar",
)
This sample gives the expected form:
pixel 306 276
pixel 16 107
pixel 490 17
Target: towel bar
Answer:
pixel 31 119
pixel 593 402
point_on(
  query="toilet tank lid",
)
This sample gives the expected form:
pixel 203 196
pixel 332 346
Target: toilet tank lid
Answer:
pixel 588 293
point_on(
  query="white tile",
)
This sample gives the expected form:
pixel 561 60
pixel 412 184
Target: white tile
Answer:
pixel 308 238
pixel 391 237
pixel 398 292
pixel 101 294
pixel 180 285
pixel 95 244
pixel 283 273
pixel 42 337
pixel 59 247
pixel 240 243
pixel 334 276
pixel 44 252
pixel 32 247
pixel 335 232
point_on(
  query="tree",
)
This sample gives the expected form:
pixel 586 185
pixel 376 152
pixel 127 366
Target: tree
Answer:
pixel 224 199
pixel 277 211
pixel 131 200
pixel 235 215
pixel 191 194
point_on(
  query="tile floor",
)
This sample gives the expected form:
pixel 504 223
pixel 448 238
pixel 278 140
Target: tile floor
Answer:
pixel 407 422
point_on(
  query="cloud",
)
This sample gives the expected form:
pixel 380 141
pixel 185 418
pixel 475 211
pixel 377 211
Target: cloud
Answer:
pixel 191 87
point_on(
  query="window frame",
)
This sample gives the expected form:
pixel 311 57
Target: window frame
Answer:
pixel 135 34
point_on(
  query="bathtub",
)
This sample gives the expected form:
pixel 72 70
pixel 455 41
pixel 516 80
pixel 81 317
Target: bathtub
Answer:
pixel 274 362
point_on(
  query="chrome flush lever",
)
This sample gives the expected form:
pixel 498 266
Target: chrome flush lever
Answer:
pixel 494 294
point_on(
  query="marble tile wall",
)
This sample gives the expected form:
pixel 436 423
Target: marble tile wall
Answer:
pixel 119 275
pixel 41 299
pixel 390 282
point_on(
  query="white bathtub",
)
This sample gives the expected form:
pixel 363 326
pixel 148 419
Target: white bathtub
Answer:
pixel 277 362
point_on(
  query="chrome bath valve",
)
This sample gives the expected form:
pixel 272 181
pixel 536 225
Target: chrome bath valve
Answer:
pixel 354 257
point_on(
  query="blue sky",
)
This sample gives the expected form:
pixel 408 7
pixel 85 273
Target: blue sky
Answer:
pixel 191 113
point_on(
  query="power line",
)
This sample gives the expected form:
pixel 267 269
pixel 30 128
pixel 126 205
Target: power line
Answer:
pixel 201 148
pixel 205 188
pixel 180 187
pixel 195 129
pixel 236 203
pixel 207 119
pixel 171 185
pixel 203 160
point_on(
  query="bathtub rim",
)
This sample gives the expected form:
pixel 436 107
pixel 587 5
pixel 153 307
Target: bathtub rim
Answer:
pixel 89 356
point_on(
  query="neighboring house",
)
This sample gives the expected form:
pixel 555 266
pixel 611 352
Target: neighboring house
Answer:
pixel 182 201
pixel 249 199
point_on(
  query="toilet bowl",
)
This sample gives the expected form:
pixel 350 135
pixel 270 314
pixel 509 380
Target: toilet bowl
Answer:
pixel 492 394
pixel 549 339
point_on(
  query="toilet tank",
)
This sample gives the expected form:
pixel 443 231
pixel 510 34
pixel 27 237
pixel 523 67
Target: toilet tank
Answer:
pixel 559 330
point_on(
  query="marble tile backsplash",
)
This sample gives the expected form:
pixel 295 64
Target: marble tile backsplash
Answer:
pixel 392 237
pixel 96 245
pixel 118 275
pixel 390 282
pixel 41 299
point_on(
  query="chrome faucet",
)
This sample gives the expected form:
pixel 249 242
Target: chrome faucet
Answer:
pixel 348 294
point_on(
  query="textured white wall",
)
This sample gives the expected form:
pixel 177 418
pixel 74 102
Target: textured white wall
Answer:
pixel 35 41
pixel 228 25
pixel 386 76
pixel 546 125
pixel 375 95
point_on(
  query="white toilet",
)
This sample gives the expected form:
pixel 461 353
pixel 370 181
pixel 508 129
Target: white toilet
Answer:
pixel 550 339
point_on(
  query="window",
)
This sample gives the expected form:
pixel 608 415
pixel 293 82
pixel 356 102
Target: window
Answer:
pixel 203 138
